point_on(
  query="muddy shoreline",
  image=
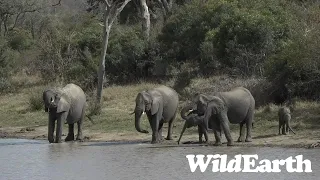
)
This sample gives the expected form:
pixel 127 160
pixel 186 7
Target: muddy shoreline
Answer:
pixel 39 133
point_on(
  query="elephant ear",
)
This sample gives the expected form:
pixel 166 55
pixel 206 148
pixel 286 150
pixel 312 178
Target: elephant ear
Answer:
pixel 63 106
pixel 217 105
pixel 203 99
pixel 155 106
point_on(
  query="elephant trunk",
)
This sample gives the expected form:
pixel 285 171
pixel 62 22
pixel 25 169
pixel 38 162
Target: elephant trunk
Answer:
pixel 138 114
pixel 184 128
pixel 206 123
pixel 51 126
pixel 185 110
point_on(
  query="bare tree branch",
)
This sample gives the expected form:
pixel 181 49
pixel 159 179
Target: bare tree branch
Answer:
pixel 122 6
pixel 57 4
pixel 115 10
pixel 108 2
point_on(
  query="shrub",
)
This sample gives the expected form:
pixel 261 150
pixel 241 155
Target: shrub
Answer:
pixel 245 38
pixel 35 101
pixel 126 49
pixel 68 52
pixel 5 85
pixel 298 64
pixel 19 39
pixel 238 34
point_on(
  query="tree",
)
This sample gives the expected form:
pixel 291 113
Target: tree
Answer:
pixel 112 9
pixel 146 19
pixel 14 11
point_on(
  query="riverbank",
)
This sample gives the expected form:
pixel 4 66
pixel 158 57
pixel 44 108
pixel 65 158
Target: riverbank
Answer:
pixel 19 118
pixel 302 140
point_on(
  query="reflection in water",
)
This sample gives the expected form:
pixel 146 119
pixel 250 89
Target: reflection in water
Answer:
pixel 26 159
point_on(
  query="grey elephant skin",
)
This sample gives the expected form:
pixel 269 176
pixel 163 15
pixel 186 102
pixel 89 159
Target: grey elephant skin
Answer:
pixel 284 115
pixel 221 108
pixel 160 105
pixel 67 105
pixel 191 120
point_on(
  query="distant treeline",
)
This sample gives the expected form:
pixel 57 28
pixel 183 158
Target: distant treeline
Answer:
pixel 275 39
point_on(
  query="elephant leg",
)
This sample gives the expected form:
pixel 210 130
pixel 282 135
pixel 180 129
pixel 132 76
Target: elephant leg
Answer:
pixel 284 129
pixel 249 128
pixel 249 121
pixel 51 126
pixel 279 128
pixel 61 118
pixel 205 132
pixel 70 136
pixel 154 126
pixel 79 123
pixel 287 127
pixel 241 137
pixel 200 133
pixel 170 127
pixel 225 125
pixel 160 131
pixel 217 136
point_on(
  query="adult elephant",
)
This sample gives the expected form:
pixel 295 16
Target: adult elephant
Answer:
pixel 160 104
pixel 221 108
pixel 65 104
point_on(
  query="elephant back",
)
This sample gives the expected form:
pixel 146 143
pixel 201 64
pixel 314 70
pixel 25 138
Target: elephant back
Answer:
pixel 74 93
pixel 75 96
pixel 239 102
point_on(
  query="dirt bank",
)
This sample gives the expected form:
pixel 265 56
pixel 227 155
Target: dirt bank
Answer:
pixel 301 140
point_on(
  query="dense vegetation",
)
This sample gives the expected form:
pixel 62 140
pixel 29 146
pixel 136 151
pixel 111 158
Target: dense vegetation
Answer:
pixel 276 40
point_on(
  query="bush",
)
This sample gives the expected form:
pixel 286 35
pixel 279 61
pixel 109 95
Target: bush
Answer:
pixel 298 64
pixel 238 34
pixel 245 37
pixel 68 52
pixel 35 101
pixel 126 49
pixel 8 59
pixel 5 85
pixel 19 39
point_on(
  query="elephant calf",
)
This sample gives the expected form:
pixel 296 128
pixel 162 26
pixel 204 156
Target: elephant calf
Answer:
pixel 64 105
pixel 284 115
pixel 192 119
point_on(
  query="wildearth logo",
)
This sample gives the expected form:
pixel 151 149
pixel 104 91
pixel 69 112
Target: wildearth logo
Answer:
pixel 249 163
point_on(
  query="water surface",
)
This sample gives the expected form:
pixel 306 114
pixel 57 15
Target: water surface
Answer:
pixel 31 159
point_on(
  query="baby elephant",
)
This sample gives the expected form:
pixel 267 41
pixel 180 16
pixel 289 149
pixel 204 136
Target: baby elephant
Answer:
pixel 192 119
pixel 284 120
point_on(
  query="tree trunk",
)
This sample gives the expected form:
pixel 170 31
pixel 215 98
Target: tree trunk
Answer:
pixel 111 10
pixel 102 65
pixel 146 19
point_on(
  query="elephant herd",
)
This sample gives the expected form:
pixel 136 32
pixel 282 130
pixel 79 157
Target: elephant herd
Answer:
pixel 207 111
